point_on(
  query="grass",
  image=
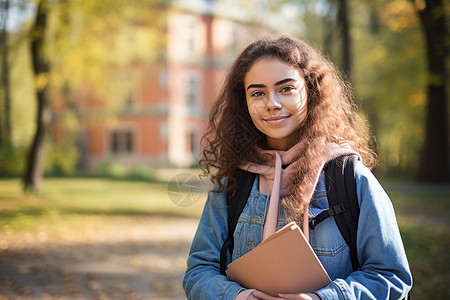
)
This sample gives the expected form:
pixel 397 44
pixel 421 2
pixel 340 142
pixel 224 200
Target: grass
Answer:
pixel 422 212
pixel 84 204
pixel 76 205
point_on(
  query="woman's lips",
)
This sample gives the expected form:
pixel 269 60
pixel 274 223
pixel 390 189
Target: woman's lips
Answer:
pixel 276 120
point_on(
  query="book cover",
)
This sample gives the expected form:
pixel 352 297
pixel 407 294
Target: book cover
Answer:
pixel 282 263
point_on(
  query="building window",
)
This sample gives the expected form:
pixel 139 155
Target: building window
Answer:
pixel 192 92
pixel 234 39
pixel 163 78
pixel 122 141
pixel 190 38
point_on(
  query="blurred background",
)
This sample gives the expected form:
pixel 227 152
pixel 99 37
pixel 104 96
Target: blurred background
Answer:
pixel 103 105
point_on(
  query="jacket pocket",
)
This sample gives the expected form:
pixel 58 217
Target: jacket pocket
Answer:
pixel 326 239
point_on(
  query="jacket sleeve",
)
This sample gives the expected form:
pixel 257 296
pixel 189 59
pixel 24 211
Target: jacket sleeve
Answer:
pixel 202 279
pixel 384 272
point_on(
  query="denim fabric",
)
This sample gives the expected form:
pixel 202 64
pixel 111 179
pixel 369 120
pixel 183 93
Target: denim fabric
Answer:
pixel 384 270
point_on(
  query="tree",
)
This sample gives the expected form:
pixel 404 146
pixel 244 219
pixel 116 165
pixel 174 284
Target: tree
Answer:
pixel 5 117
pixel 434 161
pixel 34 167
pixel 344 23
pixel 76 43
pixel 337 18
pixel 389 78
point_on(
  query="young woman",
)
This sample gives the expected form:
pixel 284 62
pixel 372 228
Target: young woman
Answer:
pixel 283 113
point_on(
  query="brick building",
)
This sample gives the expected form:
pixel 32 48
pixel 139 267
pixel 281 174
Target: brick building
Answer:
pixel 165 103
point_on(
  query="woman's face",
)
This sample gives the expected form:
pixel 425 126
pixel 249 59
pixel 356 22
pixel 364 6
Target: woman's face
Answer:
pixel 276 99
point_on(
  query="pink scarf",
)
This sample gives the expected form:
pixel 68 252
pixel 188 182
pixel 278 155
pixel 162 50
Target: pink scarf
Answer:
pixel 275 180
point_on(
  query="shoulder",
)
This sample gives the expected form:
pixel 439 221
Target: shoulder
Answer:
pixel 365 177
pixel 216 188
pixel 369 190
pixel 218 192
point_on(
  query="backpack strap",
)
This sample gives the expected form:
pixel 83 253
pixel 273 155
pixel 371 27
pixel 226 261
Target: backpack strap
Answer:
pixel 236 204
pixel 343 201
pixel 343 191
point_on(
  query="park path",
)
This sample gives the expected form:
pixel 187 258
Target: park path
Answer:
pixel 129 258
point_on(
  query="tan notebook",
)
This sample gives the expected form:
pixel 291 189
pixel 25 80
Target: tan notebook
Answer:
pixel 282 263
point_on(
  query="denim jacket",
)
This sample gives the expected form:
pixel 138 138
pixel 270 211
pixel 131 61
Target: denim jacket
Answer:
pixel 384 272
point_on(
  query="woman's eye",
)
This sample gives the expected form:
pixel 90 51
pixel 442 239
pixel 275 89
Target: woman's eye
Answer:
pixel 257 94
pixel 287 89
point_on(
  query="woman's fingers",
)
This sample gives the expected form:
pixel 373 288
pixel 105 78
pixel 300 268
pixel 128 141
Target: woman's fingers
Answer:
pixel 301 296
pixel 262 296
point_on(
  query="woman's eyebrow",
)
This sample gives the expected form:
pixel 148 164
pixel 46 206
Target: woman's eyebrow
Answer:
pixel 284 81
pixel 256 85
pixel 259 85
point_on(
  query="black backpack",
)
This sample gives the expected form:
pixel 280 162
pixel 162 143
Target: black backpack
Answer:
pixel 342 200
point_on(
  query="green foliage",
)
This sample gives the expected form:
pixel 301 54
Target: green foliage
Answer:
pixel 12 161
pixel 113 169
pixel 23 99
pixel 61 156
pixel 84 40
pixel 390 80
pixel 389 74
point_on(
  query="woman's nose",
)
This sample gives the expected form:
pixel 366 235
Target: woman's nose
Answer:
pixel 273 102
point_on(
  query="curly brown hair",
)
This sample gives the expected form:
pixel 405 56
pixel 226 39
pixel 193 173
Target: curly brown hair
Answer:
pixel 232 139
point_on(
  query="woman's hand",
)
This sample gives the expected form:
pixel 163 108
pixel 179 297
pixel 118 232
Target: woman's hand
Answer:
pixel 258 295
pixel 301 296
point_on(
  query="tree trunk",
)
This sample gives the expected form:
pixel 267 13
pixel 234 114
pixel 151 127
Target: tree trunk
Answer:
pixel 337 17
pixel 5 118
pixel 328 20
pixel 434 164
pixel 34 167
pixel 343 20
